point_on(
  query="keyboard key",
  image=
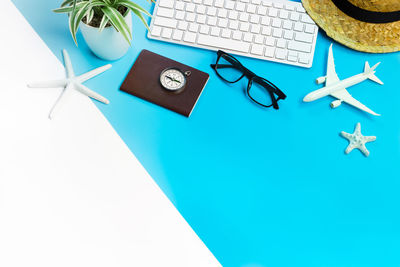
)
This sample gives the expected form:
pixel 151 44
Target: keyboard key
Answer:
pixel 244 17
pixel 289 7
pixel 156 31
pixel 177 36
pixel 310 28
pixel 283 14
pixel 303 37
pixel 182 25
pixel 189 37
pixel 190 7
pixel 220 42
pixel 226 33
pixel 257 49
pixel 166 33
pixel 200 9
pixel 237 35
pixel 190 17
pixel 165 12
pixel 244 27
pixel 281 54
pixel 287 24
pixel 180 15
pixel 294 16
pixel 292 58
pixel 251 9
pixel 233 24
pixel 298 26
pixel 212 21
pixel 265 21
pixel 219 3
pixel 211 11
pixel 240 6
pixel 255 28
pixel 166 22
pixel 208 2
pixel 277 33
pixel 262 11
pixel 222 13
pixel 277 5
pixel 179 5
pixel 254 19
pixel 256 2
pixel 258 39
pixel 204 29
pixel 215 31
pixel 269 51
pixel 247 37
pixel 288 35
pixel 266 30
pixel 201 19
pixel 306 19
pixel 166 3
pixel 299 46
pixel 229 4
pixel 303 59
pixel 223 23
pixel 300 9
pixel 281 43
pixel 272 12
pixel 233 14
pixel 193 27
pixel 276 23
pixel 266 3
pixel 270 41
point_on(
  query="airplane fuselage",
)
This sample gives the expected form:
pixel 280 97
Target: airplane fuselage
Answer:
pixel 327 90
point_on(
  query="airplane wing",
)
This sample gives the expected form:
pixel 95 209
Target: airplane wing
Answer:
pixel 346 97
pixel 331 76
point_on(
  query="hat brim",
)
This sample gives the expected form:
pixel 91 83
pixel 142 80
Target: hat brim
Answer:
pixel 358 35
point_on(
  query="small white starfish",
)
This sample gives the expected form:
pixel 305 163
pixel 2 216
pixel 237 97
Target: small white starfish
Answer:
pixel 357 140
pixel 72 82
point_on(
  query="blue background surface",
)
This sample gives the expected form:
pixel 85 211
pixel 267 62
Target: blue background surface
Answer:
pixel 261 187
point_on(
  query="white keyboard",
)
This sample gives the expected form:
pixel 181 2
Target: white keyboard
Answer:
pixel 277 30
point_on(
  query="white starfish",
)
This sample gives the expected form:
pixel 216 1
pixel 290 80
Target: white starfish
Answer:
pixel 72 82
pixel 357 140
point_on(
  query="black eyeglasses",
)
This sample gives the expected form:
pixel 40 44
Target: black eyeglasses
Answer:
pixel 259 90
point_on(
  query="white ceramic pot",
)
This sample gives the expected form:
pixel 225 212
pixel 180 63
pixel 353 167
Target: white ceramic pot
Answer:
pixel 107 44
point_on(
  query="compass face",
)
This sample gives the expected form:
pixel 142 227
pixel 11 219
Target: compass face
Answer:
pixel 172 79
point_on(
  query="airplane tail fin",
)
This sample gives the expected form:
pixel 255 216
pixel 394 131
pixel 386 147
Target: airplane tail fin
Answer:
pixel 371 72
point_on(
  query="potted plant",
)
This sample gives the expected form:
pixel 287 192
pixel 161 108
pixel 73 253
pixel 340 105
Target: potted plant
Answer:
pixel 107 24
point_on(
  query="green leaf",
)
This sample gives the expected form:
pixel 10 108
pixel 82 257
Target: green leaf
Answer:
pixel 137 13
pixel 67 2
pixel 118 21
pixel 133 6
pixel 103 23
pixel 78 16
pixel 67 9
pixel 89 16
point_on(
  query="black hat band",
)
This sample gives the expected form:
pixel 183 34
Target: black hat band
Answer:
pixel 365 15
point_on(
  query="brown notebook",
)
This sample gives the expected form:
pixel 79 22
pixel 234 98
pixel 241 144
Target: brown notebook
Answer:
pixel 143 81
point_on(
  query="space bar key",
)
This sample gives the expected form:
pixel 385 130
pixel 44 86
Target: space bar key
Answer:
pixel 223 43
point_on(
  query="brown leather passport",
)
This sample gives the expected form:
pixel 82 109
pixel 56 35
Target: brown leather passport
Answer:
pixel 143 80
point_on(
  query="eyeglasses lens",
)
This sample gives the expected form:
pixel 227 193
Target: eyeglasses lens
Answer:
pixel 260 94
pixel 227 70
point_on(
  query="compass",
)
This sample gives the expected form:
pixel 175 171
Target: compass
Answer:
pixel 173 79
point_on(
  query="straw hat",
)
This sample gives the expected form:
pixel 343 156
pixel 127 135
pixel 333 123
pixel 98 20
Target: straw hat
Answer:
pixel 365 25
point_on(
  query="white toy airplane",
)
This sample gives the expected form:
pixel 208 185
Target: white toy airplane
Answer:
pixel 337 88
